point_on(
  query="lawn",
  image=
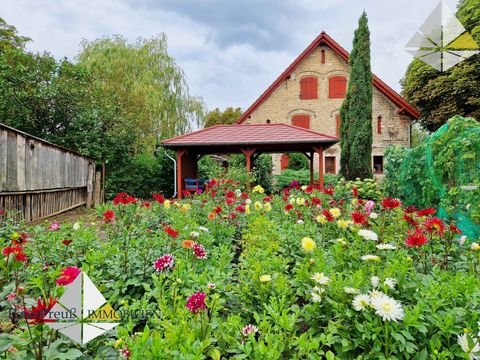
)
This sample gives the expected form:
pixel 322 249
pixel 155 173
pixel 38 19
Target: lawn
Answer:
pixel 304 274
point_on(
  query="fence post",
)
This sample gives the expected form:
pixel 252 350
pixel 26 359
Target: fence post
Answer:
pixel 90 177
pixel 98 188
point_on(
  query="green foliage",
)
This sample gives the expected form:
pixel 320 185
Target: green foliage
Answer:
pixel 226 117
pixel 456 91
pixel 9 37
pixel 297 161
pixel 148 86
pixel 434 173
pixel 286 177
pixel 141 175
pixel 257 271
pixel 356 110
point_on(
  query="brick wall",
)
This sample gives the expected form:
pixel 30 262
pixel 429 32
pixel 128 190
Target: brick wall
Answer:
pixel 285 102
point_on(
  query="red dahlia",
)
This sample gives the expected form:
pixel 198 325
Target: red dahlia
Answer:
pixel 109 216
pixel 425 212
pixel 196 302
pixel 454 229
pixel 359 218
pixel 164 263
pixel 159 198
pixel 288 207
pixel 434 225
pixel 327 214
pixel 391 203
pixel 171 231
pixel 16 251
pixel 36 315
pixel 416 239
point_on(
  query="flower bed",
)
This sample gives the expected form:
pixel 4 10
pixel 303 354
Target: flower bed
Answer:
pixel 304 274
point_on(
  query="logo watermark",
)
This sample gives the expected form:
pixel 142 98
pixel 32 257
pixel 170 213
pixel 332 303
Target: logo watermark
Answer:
pixel 442 41
pixel 82 313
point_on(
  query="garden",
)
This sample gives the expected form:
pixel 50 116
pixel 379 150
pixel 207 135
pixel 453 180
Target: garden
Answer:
pixel 307 273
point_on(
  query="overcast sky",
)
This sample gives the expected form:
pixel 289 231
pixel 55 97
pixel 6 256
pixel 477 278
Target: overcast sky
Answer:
pixel 230 50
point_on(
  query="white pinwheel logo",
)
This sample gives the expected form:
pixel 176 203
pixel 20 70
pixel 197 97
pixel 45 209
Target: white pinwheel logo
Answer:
pixel 82 313
pixel 442 41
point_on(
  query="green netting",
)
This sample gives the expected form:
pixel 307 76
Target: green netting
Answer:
pixel 443 172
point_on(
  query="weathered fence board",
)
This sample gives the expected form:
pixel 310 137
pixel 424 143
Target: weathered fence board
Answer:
pixel 39 179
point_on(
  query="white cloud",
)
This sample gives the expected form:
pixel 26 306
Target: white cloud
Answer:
pixel 230 51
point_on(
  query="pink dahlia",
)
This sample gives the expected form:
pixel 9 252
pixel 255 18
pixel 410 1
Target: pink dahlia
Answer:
pixel 199 251
pixel 196 302
pixel 68 275
pixel 54 226
pixel 163 263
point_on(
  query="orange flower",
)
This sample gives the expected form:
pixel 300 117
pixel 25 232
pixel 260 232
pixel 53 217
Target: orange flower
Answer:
pixel 211 216
pixel 187 244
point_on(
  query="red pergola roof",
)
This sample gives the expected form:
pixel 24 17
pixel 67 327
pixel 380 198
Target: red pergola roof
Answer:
pixel 249 134
pixel 325 39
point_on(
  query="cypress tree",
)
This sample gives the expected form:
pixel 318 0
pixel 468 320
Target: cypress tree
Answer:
pixel 356 110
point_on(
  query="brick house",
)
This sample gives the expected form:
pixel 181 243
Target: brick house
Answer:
pixel 309 94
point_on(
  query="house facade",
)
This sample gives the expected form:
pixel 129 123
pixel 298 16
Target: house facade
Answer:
pixel 309 94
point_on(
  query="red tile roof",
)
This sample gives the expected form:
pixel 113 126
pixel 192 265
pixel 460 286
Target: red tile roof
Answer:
pixel 325 39
pixel 249 134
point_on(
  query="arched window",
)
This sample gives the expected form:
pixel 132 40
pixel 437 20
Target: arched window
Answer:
pixel 337 87
pixel 322 56
pixel 379 125
pixel 308 88
pixel 302 121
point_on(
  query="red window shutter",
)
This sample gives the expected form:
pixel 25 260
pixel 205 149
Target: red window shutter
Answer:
pixel 308 88
pixel 379 125
pixel 302 121
pixel 283 162
pixel 337 87
pixel 337 125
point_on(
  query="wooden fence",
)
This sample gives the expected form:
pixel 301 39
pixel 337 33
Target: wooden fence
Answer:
pixel 39 179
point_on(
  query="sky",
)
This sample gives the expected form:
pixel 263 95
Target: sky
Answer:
pixel 230 50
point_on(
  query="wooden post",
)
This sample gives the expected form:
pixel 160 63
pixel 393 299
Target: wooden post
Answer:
pixel 248 155
pixel 90 179
pixel 98 193
pixel 311 167
pixel 28 207
pixel 319 151
pixel 180 154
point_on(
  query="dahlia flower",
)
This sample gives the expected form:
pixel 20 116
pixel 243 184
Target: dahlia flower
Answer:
pixel 390 282
pixel 387 308
pixel 386 247
pixel 370 257
pixel 350 290
pixel 164 263
pixel 374 280
pixel 472 347
pixel 68 275
pixel 368 234
pixel 320 278
pixel 308 244
pixel 361 302
pixel 199 251
pixel 265 278
pixel 196 302
pixel 249 329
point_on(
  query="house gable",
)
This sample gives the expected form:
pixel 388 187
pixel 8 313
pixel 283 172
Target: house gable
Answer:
pixel 314 50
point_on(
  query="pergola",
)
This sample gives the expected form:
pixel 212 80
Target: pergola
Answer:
pixel 250 140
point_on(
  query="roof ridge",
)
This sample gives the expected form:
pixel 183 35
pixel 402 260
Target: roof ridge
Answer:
pixel 324 38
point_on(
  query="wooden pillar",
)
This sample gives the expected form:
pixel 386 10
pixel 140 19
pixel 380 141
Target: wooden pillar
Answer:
pixel 248 159
pixel 311 167
pixel 180 154
pixel 319 151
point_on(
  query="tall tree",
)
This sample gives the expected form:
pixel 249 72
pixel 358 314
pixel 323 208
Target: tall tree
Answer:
pixel 9 37
pixel 226 117
pixel 440 95
pixel 147 83
pixel 356 110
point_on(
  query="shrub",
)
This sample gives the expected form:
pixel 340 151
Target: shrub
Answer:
pixel 297 161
